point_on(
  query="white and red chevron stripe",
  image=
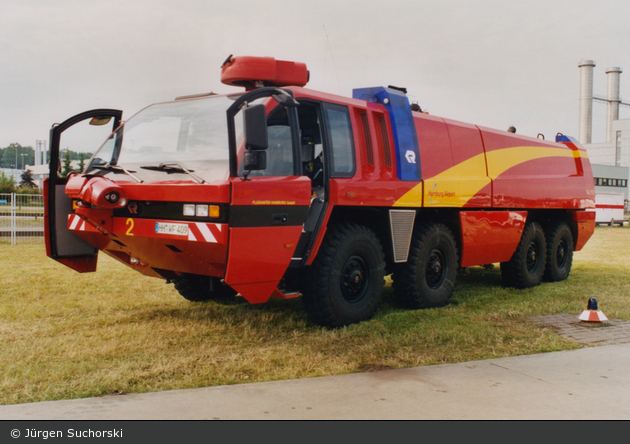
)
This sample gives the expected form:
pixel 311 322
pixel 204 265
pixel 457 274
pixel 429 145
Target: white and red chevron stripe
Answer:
pixel 75 223
pixel 201 232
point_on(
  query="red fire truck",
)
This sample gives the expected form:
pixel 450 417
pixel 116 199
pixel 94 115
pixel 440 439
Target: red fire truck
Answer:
pixel 280 191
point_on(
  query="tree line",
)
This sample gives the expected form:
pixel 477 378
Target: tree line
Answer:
pixel 17 156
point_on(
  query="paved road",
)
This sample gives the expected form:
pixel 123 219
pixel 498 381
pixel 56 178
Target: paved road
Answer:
pixel 588 383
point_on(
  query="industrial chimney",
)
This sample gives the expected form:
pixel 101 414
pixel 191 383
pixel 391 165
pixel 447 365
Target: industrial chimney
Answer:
pixel 613 99
pixel 586 100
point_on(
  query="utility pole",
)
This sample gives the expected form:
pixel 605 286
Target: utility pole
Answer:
pixel 40 152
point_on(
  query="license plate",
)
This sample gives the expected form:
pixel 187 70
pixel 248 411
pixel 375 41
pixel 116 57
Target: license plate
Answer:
pixel 177 229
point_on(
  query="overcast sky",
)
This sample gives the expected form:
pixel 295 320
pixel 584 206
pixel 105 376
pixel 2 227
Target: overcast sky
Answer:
pixel 490 62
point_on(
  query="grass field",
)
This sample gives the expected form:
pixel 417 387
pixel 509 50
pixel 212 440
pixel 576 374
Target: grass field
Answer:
pixel 68 335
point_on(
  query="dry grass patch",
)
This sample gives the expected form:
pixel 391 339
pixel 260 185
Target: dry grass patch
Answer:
pixel 68 335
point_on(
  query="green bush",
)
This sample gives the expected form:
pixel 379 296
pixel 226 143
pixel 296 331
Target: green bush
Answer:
pixel 27 190
pixel 7 183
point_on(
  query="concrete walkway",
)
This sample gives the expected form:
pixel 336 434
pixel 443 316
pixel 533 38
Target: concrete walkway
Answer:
pixel 589 383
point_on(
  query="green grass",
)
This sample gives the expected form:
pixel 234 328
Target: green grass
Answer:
pixel 69 335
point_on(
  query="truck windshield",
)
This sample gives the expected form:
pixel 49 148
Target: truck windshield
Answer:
pixel 169 141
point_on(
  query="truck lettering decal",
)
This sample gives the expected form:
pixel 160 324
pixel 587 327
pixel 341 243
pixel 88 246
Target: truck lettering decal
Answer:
pixel 410 156
pixel 273 202
pixel 130 223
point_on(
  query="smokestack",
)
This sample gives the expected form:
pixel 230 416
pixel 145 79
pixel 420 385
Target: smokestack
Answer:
pixel 586 100
pixel 613 99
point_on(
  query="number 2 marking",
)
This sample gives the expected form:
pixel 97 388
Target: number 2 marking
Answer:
pixel 130 223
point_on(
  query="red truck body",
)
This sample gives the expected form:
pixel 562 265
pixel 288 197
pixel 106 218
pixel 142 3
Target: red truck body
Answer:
pixel 323 196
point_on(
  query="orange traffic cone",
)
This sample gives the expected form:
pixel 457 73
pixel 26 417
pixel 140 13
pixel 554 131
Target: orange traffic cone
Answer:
pixel 592 314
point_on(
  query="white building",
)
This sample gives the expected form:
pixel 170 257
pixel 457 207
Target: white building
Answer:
pixel 617 151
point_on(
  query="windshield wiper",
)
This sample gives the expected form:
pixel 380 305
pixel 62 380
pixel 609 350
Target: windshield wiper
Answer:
pixel 171 168
pixel 117 169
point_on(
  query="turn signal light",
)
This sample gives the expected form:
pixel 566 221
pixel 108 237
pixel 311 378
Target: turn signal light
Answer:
pixel 213 211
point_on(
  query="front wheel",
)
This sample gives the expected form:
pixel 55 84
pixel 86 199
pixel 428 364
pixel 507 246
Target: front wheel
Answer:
pixel 526 266
pixel 345 282
pixel 428 277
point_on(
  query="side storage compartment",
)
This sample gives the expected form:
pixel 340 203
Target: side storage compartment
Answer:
pixel 490 236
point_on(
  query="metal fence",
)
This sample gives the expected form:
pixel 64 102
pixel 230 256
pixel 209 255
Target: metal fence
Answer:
pixel 21 218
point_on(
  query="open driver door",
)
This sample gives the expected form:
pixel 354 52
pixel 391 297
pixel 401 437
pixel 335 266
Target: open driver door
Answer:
pixel 61 244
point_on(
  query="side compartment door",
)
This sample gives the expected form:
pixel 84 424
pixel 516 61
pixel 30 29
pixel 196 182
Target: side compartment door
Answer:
pixel 84 139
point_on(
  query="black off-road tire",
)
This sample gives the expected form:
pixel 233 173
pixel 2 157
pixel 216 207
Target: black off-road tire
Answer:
pixel 526 267
pixel 559 253
pixel 428 277
pixel 345 282
pixel 197 288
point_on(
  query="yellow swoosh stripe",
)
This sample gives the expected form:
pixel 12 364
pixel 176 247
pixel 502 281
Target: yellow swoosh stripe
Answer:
pixel 457 185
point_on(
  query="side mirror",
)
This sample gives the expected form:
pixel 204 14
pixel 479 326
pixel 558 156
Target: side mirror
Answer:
pixel 255 160
pixel 255 128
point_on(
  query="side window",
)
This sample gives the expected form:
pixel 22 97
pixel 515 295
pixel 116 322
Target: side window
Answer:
pixel 342 149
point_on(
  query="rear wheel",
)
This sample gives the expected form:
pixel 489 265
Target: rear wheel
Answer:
pixel 197 288
pixel 559 253
pixel 345 282
pixel 526 266
pixel 428 277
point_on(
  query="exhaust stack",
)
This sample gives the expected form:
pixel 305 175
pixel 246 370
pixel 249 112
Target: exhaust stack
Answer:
pixel 586 100
pixel 613 99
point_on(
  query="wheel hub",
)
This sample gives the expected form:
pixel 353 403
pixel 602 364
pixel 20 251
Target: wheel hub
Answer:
pixel 354 279
pixel 435 269
pixel 561 254
pixel 532 257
